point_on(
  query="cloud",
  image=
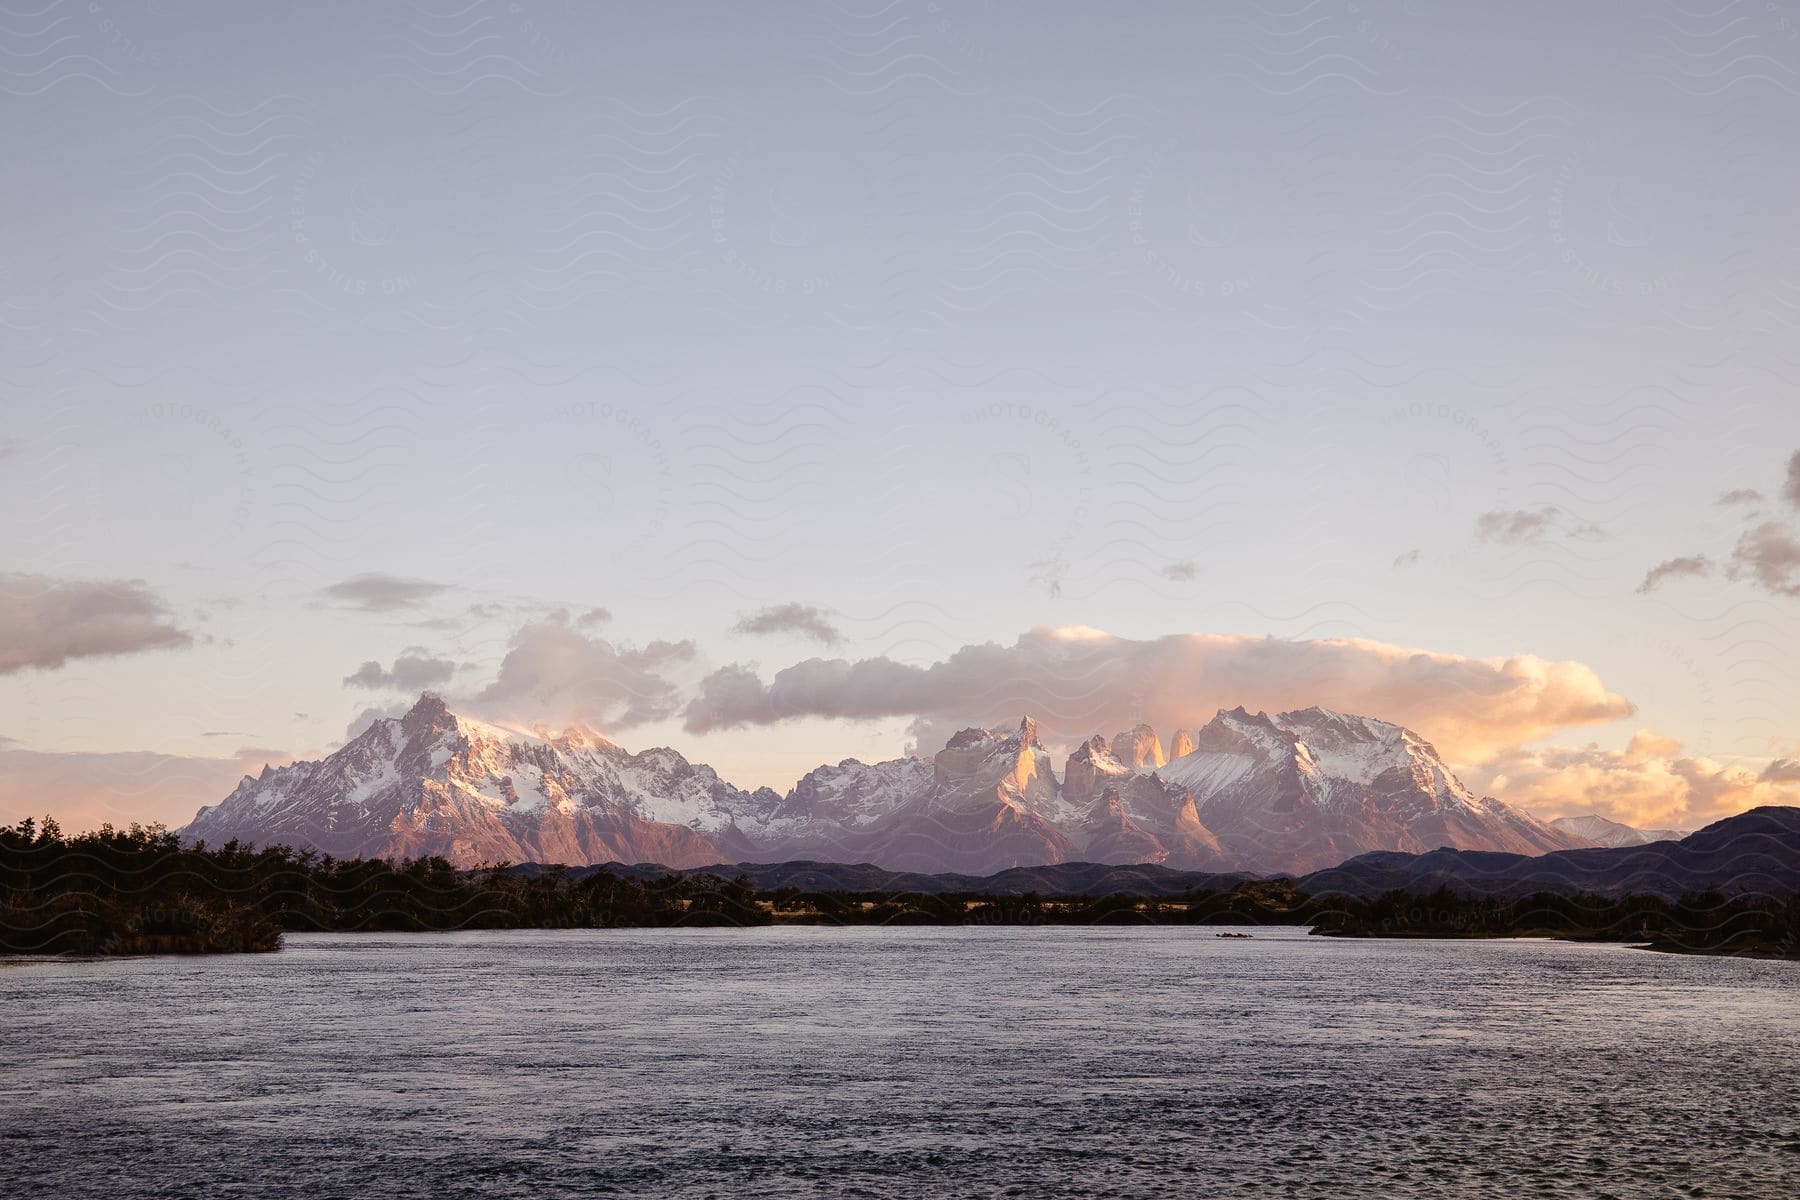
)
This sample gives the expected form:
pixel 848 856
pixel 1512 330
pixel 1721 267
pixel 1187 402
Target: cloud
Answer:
pixel 1077 680
pixel 1511 528
pixel 376 712
pixel 1181 571
pixel 800 619
pixel 553 671
pixel 1514 527
pixel 1767 554
pixel 1694 565
pixel 1409 559
pixel 415 670
pixel 593 616
pixel 46 622
pixel 384 593
pixel 1781 770
pixel 1770 555
pixel 82 790
pixel 1647 791
pixel 1646 744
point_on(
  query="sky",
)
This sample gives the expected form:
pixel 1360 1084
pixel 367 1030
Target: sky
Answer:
pixel 792 383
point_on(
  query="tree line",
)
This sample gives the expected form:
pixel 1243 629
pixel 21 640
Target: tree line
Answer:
pixel 141 891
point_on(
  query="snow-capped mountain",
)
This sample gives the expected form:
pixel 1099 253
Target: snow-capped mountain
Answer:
pixel 1598 831
pixel 1293 792
pixel 432 782
pixel 1310 788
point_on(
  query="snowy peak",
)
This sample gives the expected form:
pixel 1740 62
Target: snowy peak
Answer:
pixel 1089 768
pixel 979 767
pixel 1240 728
pixel 432 781
pixel 1314 786
pixel 1364 750
pixel 852 795
pixel 1596 830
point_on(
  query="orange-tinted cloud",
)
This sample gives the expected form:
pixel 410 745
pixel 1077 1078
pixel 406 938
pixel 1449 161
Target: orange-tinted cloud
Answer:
pixel 1077 681
pixel 1650 785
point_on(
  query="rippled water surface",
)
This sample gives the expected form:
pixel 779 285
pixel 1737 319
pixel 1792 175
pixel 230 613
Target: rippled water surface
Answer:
pixel 901 1062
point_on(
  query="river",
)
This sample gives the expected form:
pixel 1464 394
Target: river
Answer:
pixel 1049 1061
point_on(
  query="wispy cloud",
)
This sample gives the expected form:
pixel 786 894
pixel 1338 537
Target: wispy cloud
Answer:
pixel 1766 554
pixel 1694 565
pixel 802 620
pixel 384 593
pixel 1513 527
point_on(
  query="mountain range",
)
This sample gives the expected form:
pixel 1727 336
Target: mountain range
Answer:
pixel 1295 792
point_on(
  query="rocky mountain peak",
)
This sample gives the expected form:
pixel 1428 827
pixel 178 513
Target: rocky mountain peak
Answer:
pixel 1139 748
pixel 580 737
pixel 428 712
pixel 1089 767
pixel 1095 749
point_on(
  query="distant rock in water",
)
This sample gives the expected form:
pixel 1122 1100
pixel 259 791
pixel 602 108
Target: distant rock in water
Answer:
pixel 1249 792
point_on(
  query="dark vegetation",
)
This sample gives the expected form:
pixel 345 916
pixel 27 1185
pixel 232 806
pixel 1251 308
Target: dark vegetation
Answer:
pixel 1699 923
pixel 140 891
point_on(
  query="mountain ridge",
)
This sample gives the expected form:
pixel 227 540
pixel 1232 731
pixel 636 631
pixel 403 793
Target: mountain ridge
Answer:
pixel 1755 853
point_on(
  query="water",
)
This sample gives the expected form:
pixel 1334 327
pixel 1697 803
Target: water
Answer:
pixel 901 1062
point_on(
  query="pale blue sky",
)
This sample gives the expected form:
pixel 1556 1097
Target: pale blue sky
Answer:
pixel 949 320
